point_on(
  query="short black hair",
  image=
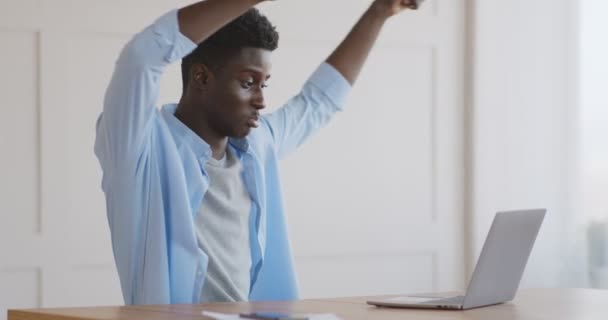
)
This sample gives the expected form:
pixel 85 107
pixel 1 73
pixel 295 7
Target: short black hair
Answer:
pixel 252 29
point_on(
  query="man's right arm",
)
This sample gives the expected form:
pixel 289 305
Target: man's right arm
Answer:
pixel 133 90
pixel 200 20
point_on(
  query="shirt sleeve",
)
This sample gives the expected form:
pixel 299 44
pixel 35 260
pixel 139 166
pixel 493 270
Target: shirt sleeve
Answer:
pixel 130 99
pixel 321 97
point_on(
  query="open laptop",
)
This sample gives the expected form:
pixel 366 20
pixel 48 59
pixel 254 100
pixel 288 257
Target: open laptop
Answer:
pixel 498 270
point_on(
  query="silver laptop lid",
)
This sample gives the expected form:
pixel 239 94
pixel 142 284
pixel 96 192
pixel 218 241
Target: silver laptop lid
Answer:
pixel 503 258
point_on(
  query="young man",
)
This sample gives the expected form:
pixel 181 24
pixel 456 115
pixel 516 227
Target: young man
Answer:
pixel 192 190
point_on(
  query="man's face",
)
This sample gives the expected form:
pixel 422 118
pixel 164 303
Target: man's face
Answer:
pixel 234 93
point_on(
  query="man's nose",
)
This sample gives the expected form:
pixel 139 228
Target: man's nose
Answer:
pixel 258 100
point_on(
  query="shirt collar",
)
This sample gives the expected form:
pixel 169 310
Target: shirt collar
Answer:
pixel 182 134
pixel 241 144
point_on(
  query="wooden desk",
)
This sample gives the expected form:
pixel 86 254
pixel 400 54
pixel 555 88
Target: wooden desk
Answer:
pixel 553 304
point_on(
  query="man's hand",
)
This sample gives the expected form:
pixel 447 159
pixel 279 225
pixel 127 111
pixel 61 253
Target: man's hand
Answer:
pixel 390 8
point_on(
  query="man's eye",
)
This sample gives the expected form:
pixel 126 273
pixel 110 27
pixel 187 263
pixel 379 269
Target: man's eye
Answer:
pixel 247 84
pixel 251 83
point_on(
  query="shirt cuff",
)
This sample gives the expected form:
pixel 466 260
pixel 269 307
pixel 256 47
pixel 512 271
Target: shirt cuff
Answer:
pixel 167 29
pixel 329 80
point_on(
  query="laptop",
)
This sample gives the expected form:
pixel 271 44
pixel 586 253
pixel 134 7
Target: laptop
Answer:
pixel 499 268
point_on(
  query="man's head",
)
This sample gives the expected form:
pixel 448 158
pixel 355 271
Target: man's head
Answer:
pixel 223 78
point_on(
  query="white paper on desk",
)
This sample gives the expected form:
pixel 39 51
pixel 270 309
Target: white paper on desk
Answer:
pixel 220 316
pixel 309 316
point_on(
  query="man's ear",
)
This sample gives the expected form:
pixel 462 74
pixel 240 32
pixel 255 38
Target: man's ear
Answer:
pixel 200 75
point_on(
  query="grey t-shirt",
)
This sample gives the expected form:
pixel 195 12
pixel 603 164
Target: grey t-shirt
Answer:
pixel 222 228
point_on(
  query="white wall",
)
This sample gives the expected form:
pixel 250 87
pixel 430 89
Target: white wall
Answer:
pixel 55 62
pixel 523 123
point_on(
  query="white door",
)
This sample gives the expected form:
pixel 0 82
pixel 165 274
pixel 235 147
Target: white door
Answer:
pixel 374 200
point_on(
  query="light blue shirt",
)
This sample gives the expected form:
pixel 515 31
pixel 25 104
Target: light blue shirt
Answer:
pixel 154 178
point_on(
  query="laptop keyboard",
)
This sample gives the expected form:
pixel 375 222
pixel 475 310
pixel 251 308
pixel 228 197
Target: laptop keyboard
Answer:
pixel 451 300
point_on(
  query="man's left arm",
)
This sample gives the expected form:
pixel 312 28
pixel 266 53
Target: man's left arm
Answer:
pixel 325 91
pixel 348 58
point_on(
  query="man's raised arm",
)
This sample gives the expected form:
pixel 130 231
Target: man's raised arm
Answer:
pixel 200 20
pixel 350 55
pixel 325 91
pixel 131 96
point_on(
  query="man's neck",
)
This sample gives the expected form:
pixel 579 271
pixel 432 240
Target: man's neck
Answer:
pixel 199 126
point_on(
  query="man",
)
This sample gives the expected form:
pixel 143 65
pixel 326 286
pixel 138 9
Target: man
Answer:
pixel 192 190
